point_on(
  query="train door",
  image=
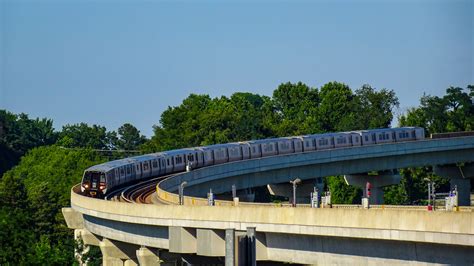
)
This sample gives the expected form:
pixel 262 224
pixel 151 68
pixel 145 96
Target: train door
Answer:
pixel 255 150
pixel 138 172
pixel 122 175
pixel 154 167
pixel 200 158
pixel 128 175
pixel 298 144
pixel 117 176
pixel 162 166
pixel 245 150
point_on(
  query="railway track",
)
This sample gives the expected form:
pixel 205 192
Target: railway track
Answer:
pixel 136 193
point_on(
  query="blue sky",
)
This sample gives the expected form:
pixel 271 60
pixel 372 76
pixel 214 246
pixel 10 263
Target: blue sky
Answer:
pixel 111 62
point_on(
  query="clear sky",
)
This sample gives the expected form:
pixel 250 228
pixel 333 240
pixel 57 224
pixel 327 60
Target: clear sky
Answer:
pixel 111 62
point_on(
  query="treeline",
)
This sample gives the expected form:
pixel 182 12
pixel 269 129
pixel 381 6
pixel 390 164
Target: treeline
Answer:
pixel 47 163
pixel 294 109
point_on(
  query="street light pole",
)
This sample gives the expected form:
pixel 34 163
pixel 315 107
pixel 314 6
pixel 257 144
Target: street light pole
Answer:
pixel 294 183
pixel 181 192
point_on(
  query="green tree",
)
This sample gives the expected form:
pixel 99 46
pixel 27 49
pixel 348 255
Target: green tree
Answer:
pixel 19 133
pixel 295 106
pixel 373 108
pixel 452 112
pixel 335 110
pixel 341 192
pixel 31 197
pixel 129 137
pixel 16 234
pixel 85 136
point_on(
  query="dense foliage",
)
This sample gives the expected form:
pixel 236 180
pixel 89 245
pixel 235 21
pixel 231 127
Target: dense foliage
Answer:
pixel 450 113
pixel 32 228
pixel 32 194
pixel 294 109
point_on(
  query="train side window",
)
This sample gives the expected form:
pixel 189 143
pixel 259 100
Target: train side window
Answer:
pixel 128 170
pixel 366 138
pixel 122 171
pixel 155 164
pixel 413 134
pixel 102 178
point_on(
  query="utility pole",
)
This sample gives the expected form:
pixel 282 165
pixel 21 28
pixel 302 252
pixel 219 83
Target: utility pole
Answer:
pixel 295 183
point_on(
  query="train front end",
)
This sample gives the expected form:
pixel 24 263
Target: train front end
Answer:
pixel 94 184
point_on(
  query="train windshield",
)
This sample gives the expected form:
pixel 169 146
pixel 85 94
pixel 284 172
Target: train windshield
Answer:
pixel 94 177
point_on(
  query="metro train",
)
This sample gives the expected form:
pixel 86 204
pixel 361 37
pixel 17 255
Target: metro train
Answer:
pixel 100 179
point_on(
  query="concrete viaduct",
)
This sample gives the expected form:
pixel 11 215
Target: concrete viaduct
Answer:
pixel 129 234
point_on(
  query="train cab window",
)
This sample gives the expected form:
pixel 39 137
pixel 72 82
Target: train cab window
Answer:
pixel 155 164
pixel 102 178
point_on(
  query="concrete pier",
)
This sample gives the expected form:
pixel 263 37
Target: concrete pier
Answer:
pixel 460 177
pixel 377 182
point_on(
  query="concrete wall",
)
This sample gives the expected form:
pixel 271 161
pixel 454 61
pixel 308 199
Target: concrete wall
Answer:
pixel 454 228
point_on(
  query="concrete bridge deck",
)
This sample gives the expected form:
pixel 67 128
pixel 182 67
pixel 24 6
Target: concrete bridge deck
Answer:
pixel 299 235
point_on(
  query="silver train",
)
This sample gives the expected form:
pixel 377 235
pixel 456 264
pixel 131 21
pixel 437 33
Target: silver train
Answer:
pixel 99 179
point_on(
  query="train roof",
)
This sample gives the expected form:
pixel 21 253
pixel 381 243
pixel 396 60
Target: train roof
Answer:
pixel 145 157
pixel 177 151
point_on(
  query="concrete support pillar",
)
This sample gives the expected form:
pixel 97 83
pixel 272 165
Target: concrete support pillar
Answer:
pixel 148 256
pixel 118 253
pixel 230 247
pixel 182 240
pixel 377 182
pixel 87 237
pixel 248 248
pixel 74 219
pixel 303 190
pixel 210 242
pixel 459 176
pixel 111 261
pixel 130 263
